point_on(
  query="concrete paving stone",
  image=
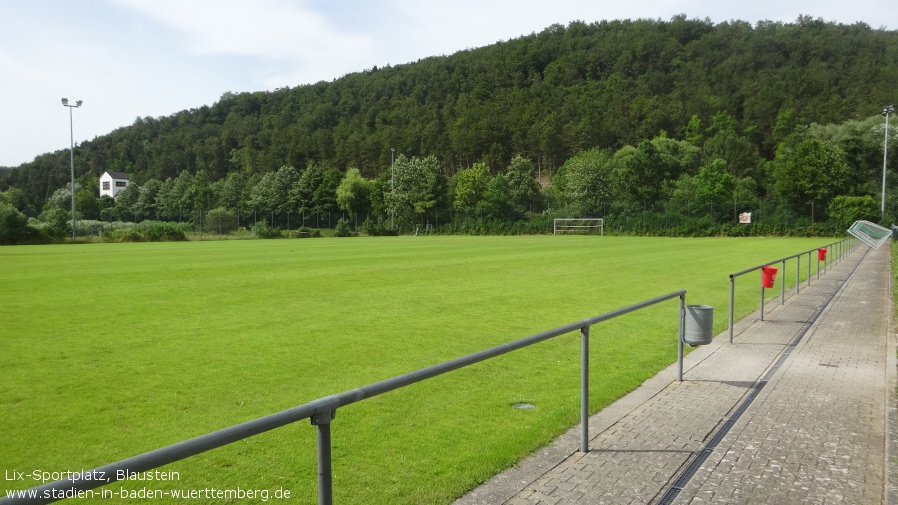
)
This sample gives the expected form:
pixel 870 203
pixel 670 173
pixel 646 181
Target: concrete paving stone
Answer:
pixel 819 431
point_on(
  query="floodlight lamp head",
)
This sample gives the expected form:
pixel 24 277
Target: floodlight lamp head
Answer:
pixel 65 101
pixel 888 109
pixel 78 103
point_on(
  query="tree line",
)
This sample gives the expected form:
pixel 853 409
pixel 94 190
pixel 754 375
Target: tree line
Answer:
pixel 822 178
pixel 666 113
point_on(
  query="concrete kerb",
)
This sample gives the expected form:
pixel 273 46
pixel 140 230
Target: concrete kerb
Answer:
pixel 891 401
pixel 504 487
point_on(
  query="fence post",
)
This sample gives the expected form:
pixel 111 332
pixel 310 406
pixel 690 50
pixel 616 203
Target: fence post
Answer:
pixel 584 389
pixel 682 336
pixel 762 294
pixel 322 422
pixel 809 267
pixel 732 294
pixel 783 285
pixel 797 274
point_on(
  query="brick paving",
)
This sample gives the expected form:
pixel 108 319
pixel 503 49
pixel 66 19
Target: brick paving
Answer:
pixel 806 399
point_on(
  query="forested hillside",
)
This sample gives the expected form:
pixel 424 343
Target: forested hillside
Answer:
pixel 545 98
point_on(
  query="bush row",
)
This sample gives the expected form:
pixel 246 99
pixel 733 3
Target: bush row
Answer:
pixel 642 224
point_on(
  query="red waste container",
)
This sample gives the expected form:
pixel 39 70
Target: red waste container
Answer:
pixel 821 254
pixel 768 275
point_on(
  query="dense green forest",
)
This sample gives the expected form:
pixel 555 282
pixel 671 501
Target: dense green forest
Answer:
pixel 675 125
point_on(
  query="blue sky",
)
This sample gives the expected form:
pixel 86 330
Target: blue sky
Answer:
pixel 136 58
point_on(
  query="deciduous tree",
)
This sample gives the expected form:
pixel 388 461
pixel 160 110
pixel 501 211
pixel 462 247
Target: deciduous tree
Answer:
pixel 354 192
pixel 523 188
pixel 419 184
pixel 811 170
pixel 470 186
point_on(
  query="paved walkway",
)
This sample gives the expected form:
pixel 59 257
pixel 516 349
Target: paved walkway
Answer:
pixel 799 409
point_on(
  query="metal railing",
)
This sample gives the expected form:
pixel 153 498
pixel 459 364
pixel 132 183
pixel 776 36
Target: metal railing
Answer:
pixel 835 252
pixel 321 413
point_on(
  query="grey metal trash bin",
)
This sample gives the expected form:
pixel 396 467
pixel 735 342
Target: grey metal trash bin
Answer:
pixel 699 325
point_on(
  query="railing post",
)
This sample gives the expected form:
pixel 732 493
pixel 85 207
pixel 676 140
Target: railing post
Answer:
pixel 762 294
pixel 682 336
pixel 325 471
pixel 732 294
pixel 783 285
pixel 797 274
pixel 809 267
pixel 584 389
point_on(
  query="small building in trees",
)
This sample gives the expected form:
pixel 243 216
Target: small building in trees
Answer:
pixel 113 182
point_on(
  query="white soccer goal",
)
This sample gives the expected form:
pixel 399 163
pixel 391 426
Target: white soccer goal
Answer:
pixel 869 233
pixel 584 225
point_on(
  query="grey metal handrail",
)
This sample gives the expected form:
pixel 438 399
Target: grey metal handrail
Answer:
pixel 323 410
pixel 842 247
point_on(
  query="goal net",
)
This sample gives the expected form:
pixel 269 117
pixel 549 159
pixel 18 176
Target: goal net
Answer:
pixel 584 225
pixel 869 233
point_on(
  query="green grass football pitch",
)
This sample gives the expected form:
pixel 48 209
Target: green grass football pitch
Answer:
pixel 111 350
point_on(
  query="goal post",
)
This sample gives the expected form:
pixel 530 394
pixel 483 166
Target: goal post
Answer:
pixel 582 225
pixel 869 233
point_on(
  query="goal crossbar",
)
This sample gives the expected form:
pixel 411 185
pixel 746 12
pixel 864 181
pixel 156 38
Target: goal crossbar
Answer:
pixel 578 225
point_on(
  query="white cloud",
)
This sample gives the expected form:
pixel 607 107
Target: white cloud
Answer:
pixel 263 28
pixel 285 37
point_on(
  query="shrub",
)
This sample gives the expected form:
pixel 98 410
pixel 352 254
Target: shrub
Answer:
pixel 147 231
pixel 262 230
pixel 845 210
pixel 343 229
pixel 305 232
pixel 119 231
pixel 13 225
pixel 376 229
pixel 56 224
pixel 221 221
pixel 159 231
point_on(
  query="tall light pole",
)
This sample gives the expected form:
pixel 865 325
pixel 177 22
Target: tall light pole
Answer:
pixel 65 103
pixel 392 191
pixel 886 110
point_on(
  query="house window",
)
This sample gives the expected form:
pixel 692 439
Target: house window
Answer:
pixel 105 185
pixel 121 184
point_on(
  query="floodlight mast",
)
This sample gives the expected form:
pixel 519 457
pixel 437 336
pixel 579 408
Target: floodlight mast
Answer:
pixel 888 109
pixel 65 103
